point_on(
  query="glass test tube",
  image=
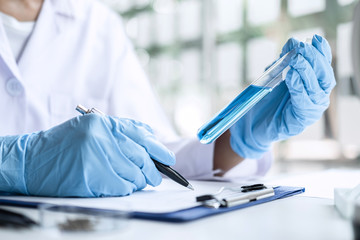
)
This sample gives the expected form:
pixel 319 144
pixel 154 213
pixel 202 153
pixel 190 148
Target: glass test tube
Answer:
pixel 238 107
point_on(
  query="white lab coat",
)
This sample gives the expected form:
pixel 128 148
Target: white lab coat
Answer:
pixel 79 54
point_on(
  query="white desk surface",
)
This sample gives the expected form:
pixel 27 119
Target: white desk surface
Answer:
pixel 300 217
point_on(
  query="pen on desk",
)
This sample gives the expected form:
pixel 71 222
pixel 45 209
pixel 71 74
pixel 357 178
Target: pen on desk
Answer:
pixel 164 169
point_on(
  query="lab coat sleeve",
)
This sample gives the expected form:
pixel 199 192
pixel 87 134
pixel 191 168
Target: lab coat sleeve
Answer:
pixel 195 161
pixel 133 97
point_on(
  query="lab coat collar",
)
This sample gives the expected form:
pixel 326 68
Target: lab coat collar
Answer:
pixel 67 8
pixel 55 17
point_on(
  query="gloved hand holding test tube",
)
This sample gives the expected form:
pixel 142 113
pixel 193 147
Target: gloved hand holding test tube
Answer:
pixel 290 95
pixel 237 108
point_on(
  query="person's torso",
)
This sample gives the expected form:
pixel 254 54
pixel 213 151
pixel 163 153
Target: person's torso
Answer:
pixel 67 61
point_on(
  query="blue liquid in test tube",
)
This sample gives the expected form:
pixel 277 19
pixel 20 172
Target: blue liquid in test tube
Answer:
pixel 229 115
pixel 238 107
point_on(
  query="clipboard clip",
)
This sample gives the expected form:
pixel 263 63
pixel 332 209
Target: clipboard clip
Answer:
pixel 234 196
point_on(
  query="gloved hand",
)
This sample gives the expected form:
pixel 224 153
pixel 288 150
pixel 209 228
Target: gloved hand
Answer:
pixel 296 103
pixel 87 156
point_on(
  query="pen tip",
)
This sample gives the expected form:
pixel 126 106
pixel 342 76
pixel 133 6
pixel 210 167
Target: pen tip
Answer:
pixel 190 187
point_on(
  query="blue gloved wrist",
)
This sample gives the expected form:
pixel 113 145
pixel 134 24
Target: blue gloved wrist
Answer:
pixel 247 146
pixel 12 164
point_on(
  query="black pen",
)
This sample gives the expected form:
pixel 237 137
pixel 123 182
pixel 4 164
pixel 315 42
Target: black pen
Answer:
pixel 172 174
pixel 164 169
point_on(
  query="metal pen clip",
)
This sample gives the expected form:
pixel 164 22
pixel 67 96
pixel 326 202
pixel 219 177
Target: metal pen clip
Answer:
pixel 83 110
pixel 233 196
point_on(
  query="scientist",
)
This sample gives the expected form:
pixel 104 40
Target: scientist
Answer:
pixel 55 54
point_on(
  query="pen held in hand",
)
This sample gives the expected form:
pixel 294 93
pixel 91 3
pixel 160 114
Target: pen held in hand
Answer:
pixel 164 169
pixel 172 174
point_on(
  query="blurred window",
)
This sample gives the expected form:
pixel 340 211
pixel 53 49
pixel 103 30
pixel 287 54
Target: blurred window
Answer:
pixel 199 54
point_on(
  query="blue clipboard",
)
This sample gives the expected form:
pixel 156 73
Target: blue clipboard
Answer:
pixel 185 215
pixel 198 212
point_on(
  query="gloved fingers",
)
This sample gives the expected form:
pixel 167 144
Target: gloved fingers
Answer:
pixel 128 171
pixel 322 45
pixel 158 151
pixel 320 65
pixel 309 81
pixel 113 153
pixel 146 139
pixel 140 157
pixel 299 97
pixel 141 124
pixel 110 188
pixel 289 45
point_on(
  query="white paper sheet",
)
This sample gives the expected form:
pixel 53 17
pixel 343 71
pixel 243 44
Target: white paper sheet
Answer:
pixel 167 197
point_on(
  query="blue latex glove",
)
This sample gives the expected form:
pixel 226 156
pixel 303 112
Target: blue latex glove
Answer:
pixel 87 156
pixel 296 103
